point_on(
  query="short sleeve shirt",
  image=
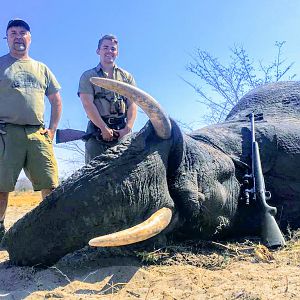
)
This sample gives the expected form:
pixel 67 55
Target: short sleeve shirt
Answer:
pixel 23 86
pixel 103 97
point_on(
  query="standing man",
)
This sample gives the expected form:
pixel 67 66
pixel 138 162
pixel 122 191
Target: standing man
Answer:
pixel 25 143
pixel 111 115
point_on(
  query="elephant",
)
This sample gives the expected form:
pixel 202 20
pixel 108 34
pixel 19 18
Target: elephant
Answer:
pixel 163 183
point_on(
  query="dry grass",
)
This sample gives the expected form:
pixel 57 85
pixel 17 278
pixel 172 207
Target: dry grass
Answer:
pixel 243 270
pixel 219 255
pixel 29 198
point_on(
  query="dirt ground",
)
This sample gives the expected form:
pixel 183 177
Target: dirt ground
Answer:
pixel 243 271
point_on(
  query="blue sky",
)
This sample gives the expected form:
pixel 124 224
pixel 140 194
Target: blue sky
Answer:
pixel 156 40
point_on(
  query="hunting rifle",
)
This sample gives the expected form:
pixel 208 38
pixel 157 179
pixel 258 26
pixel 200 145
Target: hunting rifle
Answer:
pixel 271 235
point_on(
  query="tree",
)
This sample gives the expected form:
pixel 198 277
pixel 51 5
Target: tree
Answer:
pixel 72 159
pixel 233 80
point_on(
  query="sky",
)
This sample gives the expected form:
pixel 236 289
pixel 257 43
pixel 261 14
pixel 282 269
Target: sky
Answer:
pixel 156 41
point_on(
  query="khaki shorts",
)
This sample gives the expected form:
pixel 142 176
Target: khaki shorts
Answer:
pixel 24 147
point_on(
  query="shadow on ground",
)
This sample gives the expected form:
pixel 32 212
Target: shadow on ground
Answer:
pixel 87 266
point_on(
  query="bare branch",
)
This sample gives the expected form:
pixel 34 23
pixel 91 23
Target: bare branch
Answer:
pixel 72 146
pixel 232 81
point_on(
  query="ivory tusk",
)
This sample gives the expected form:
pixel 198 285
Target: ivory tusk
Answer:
pixel 147 103
pixel 143 231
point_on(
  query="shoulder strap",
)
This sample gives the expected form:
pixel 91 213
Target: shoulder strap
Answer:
pixel 125 75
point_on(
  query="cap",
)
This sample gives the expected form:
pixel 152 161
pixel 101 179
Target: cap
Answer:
pixel 18 22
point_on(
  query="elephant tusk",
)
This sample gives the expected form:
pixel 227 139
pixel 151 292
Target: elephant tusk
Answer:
pixel 147 103
pixel 141 232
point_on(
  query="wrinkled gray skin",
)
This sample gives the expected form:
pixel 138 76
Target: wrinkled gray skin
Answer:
pixel 198 176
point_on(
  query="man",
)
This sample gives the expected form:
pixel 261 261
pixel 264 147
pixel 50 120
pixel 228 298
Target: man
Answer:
pixel 25 143
pixel 111 115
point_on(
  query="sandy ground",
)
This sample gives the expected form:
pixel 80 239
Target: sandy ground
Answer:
pixel 224 271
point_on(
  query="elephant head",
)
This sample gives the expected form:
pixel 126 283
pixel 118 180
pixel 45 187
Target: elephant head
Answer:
pixel 152 182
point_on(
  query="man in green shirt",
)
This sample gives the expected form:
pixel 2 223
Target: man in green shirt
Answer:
pixel 25 142
pixel 110 114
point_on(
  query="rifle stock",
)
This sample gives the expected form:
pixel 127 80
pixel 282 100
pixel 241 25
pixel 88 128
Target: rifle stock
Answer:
pixel 69 135
pixel 271 235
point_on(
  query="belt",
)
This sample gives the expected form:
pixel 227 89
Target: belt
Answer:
pixel 114 121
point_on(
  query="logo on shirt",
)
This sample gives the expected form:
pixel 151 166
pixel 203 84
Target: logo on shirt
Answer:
pixel 25 80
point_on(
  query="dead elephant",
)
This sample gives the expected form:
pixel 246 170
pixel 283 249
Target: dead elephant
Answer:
pixel 187 184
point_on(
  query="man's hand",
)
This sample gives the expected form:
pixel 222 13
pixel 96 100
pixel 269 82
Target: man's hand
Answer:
pixel 107 134
pixel 123 132
pixel 48 131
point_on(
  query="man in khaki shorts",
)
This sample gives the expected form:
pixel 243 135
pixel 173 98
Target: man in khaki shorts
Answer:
pixel 25 143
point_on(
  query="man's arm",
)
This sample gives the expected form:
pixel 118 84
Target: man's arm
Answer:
pixel 131 116
pixel 56 109
pixel 93 114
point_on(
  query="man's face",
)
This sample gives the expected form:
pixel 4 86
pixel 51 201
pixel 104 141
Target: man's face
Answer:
pixel 108 51
pixel 18 39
